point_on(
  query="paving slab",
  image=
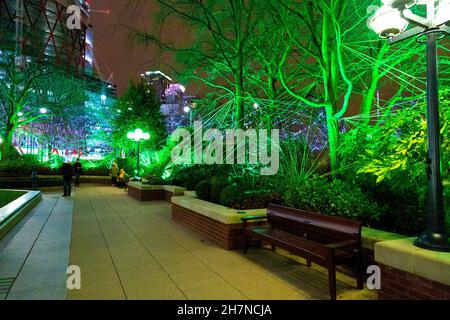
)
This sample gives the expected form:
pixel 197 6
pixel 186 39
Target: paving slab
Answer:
pixel 35 253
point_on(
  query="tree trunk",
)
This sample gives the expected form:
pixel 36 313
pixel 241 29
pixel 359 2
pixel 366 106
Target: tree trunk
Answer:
pixel 6 144
pixel 239 101
pixel 333 140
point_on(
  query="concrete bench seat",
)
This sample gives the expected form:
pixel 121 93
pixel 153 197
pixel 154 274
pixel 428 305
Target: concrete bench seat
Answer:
pixel 144 192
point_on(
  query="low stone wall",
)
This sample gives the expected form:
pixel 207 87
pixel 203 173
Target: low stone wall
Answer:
pixel 47 181
pixel 153 193
pixel 400 285
pixel 412 273
pixel 217 223
pixel 15 211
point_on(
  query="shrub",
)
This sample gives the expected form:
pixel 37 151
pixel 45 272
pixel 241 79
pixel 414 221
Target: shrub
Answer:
pixel 333 198
pixel 235 197
pixel 155 181
pixel 203 190
pixel 231 195
pixel 258 199
pixel 217 185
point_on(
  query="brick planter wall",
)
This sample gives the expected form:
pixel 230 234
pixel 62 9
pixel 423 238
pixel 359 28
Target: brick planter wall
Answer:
pixel 145 195
pixel 167 196
pixel 401 285
pixel 227 236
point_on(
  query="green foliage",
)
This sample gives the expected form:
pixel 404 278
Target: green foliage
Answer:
pixel 231 195
pixel 17 166
pixel 139 108
pixel 159 162
pixel 55 161
pixel 203 190
pixel 190 176
pixel 217 185
pixel 389 161
pixel 335 198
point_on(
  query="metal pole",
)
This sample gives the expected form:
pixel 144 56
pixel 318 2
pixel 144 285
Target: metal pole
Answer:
pixel 435 237
pixel 138 152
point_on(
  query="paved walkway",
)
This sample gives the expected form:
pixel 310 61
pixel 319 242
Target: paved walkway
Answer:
pixel 128 249
pixel 35 254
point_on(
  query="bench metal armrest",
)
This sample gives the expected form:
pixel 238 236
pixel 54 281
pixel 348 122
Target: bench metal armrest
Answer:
pixel 342 244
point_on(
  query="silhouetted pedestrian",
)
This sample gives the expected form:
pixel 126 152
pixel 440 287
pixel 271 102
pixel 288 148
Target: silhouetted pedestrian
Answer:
pixel 67 173
pixel 114 172
pixel 78 169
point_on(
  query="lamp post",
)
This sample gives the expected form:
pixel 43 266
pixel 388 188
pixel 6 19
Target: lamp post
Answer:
pixel 189 110
pixel 391 22
pixel 138 135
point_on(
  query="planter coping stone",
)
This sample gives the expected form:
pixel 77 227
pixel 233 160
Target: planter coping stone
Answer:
pixel 216 211
pixel 173 189
pixel 403 255
pixel 191 194
pixel 11 208
pixel 371 236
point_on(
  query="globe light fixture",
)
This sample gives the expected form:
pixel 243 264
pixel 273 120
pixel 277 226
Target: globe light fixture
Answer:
pixel 443 11
pixel 391 21
pixel 388 22
pixel 138 135
pixel 20 114
pixel 399 3
pixel 188 110
pixel 43 110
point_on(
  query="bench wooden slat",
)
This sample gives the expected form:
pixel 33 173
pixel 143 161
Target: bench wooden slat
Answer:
pixel 321 239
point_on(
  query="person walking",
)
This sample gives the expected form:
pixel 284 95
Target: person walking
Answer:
pixel 114 172
pixel 34 180
pixel 67 172
pixel 78 168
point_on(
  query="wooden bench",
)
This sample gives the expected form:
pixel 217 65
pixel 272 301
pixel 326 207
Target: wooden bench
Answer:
pixel 325 240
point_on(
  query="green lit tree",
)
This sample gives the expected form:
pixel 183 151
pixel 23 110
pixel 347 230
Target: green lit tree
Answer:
pixel 220 52
pixel 138 108
pixel 31 92
pixel 338 61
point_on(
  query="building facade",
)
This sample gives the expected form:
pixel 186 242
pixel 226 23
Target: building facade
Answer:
pixel 38 28
pixel 159 81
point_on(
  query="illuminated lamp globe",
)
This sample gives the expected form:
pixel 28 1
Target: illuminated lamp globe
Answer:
pixel 443 11
pixel 387 22
pixel 187 109
pixel 399 4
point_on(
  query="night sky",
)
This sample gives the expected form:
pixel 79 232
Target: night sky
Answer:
pixel 113 50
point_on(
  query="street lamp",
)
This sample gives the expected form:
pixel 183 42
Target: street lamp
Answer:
pixel 188 110
pixel 390 21
pixel 138 135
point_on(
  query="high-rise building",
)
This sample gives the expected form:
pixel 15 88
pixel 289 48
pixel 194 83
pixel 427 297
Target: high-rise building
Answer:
pixel 39 29
pixel 159 82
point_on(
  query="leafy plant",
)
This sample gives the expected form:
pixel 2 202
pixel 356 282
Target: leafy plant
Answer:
pixel 203 190
pixel 335 198
pixel 217 185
